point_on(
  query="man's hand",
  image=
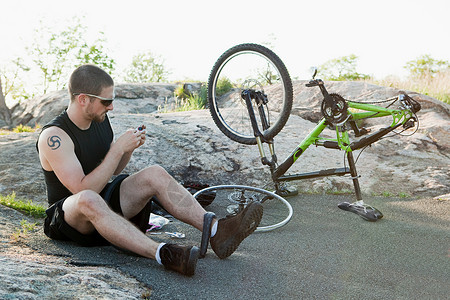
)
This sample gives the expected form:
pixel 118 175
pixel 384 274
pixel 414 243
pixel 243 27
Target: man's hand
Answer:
pixel 126 144
pixel 141 130
pixel 130 140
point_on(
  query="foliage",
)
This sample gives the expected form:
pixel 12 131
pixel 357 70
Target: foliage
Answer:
pixel 223 86
pixel 187 102
pixel 180 92
pixel 194 102
pixel 266 75
pixel 146 67
pixel 95 54
pixel 341 68
pixel 204 94
pixel 25 206
pixel 23 128
pixel 64 50
pixel 437 86
pixel 426 66
pixel 19 129
pixel 10 75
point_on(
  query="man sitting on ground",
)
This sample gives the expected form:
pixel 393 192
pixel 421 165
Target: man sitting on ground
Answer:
pixel 79 157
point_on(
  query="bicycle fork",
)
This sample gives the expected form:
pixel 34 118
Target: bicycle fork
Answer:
pixel 260 100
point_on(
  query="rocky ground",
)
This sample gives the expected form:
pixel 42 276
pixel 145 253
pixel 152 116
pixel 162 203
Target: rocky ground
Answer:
pixel 190 147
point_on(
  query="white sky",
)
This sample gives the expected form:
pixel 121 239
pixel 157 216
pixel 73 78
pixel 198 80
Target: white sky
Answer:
pixel 191 35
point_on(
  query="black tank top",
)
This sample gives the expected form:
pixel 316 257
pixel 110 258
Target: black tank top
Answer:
pixel 91 146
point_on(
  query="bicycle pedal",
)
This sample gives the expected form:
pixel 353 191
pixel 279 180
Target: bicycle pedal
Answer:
pixel 366 212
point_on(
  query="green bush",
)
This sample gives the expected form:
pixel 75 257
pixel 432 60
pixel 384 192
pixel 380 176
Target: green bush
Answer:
pixel 223 86
pixel 426 66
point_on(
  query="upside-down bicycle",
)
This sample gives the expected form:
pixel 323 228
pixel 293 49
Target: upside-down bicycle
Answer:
pixel 250 98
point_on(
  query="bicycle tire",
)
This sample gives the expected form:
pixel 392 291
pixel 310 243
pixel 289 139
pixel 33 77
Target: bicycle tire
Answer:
pixel 228 109
pixel 277 211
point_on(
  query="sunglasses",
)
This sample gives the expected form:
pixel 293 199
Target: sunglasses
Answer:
pixel 104 101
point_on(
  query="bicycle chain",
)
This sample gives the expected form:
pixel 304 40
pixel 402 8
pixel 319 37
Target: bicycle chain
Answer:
pixel 393 99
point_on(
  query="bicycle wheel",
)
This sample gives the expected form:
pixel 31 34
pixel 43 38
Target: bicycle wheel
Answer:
pixel 231 199
pixel 242 67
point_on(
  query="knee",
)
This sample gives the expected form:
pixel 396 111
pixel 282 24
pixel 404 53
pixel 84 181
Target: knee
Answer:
pixel 156 174
pixel 90 201
pixel 157 170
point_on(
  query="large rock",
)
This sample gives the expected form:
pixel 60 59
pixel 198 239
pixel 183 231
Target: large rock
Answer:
pixel 190 147
pixel 132 98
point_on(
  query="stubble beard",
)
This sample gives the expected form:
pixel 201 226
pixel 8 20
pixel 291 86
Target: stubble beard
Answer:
pixel 97 118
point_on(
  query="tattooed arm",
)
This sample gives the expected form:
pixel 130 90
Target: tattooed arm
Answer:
pixel 57 154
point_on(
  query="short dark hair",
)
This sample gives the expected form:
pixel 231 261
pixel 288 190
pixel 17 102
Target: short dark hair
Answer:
pixel 89 79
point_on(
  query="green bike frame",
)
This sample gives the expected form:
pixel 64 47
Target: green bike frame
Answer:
pixel 342 141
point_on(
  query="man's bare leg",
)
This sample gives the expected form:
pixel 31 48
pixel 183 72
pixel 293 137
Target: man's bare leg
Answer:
pixel 137 189
pixel 87 211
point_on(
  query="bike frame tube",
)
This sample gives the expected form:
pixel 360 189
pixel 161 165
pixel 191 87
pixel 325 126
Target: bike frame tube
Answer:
pixel 370 107
pixel 373 111
pixel 310 139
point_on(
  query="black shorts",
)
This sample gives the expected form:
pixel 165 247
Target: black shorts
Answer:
pixel 55 227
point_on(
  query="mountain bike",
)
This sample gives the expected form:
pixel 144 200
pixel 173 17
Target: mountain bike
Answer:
pixel 250 98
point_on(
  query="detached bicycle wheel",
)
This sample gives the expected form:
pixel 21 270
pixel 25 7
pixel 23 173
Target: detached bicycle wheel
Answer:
pixel 231 199
pixel 249 67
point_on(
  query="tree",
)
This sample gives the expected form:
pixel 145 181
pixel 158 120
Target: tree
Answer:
pixel 56 54
pixel 146 67
pixel 10 85
pixel 341 68
pixel 12 82
pixel 425 66
pixel 4 110
pixel 95 54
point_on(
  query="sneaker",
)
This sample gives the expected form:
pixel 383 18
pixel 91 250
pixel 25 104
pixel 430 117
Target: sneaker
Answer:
pixel 232 230
pixel 179 258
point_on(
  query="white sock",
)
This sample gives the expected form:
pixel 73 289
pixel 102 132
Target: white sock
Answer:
pixel 157 257
pixel 214 229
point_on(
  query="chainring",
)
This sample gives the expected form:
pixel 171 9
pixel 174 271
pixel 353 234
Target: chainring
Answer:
pixel 335 114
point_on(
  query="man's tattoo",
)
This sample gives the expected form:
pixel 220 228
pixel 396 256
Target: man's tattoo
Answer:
pixel 54 142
